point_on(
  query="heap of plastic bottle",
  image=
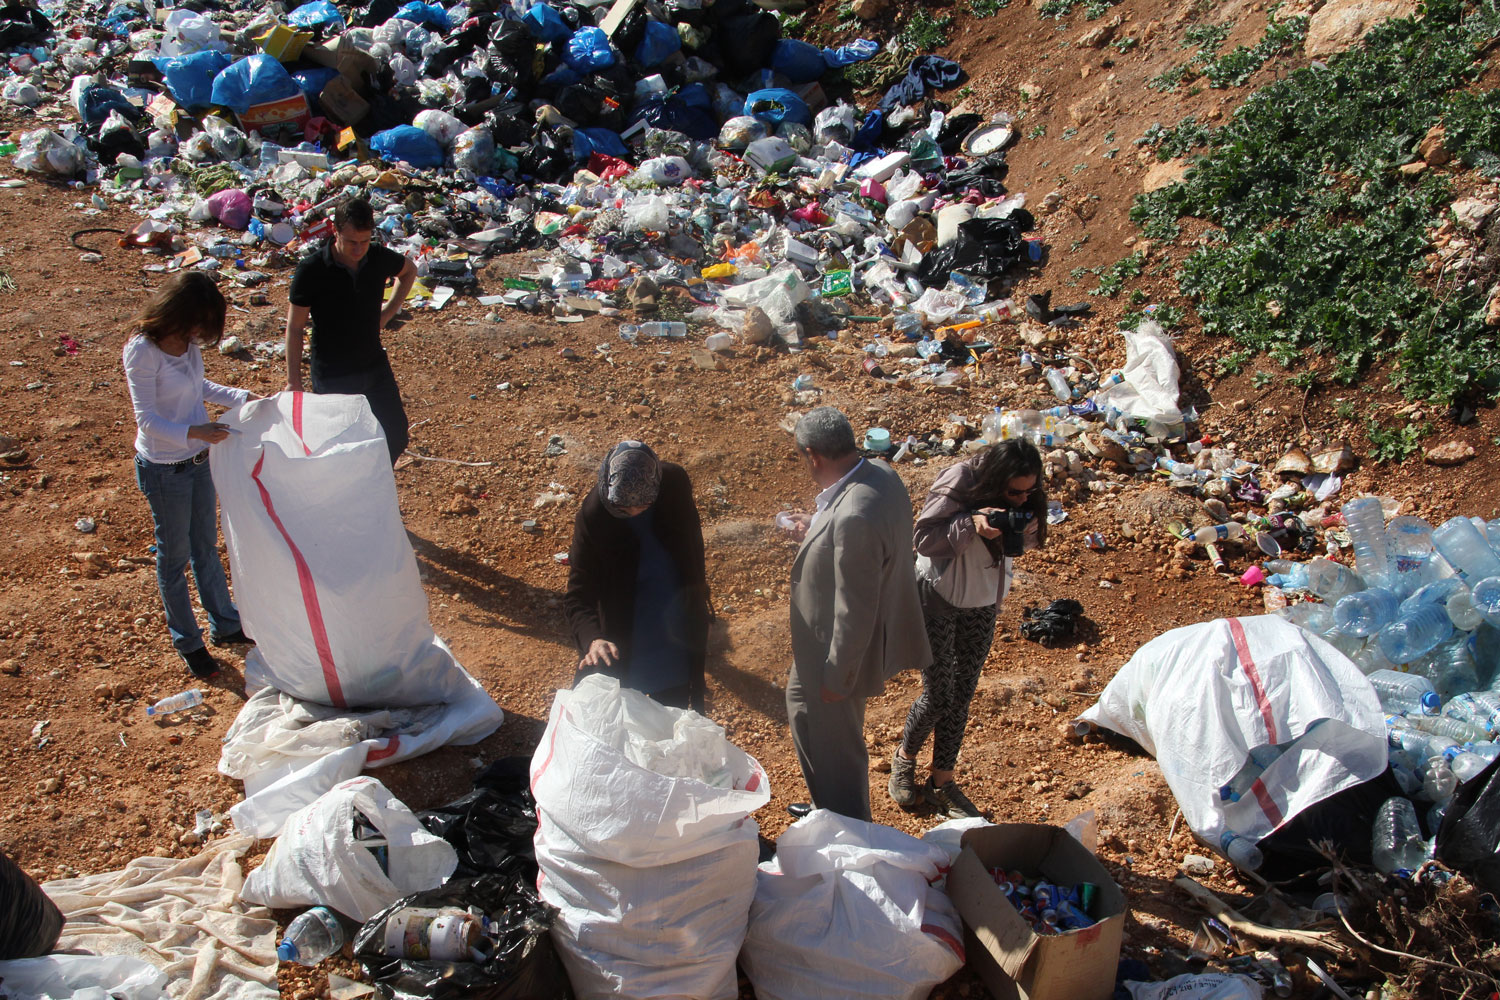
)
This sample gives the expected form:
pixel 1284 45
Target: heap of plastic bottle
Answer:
pixel 1420 614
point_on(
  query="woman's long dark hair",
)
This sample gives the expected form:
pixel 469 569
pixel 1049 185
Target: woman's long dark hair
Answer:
pixel 188 305
pixel 995 467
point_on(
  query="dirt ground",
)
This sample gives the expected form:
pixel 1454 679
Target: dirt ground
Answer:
pixel 88 782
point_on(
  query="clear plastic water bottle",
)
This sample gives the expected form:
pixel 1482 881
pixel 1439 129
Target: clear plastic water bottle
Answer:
pixel 1241 851
pixel 1239 785
pixel 1365 519
pixel 1438 780
pixel 1436 592
pixel 1486 595
pixel 1366 612
pixel 176 703
pixel 1331 581
pixel 1462 611
pixel 1466 549
pixel 1465 765
pixel 1481 708
pixel 1370 659
pixel 1451 668
pixel 1315 618
pixel 312 937
pixel 1414 633
pixel 1059 385
pixel 659 328
pixel 1407 694
pixel 1455 729
pixel 1218 532
pixel 1408 542
pixel 1397 844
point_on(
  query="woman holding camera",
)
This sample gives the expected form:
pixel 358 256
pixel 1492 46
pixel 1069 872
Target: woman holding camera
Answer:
pixel 978 515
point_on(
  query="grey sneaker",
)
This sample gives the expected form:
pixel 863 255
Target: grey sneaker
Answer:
pixel 903 788
pixel 949 799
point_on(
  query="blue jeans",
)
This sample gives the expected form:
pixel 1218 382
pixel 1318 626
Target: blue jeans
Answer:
pixel 185 509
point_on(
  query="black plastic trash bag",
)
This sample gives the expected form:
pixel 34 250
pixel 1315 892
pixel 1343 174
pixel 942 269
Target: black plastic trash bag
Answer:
pixel 524 965
pixel 496 821
pixel 984 248
pixel 29 921
pixel 1344 819
pixel 1053 623
pixel 20 26
pixel 1469 837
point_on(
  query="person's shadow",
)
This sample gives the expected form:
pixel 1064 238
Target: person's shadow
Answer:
pixel 506 602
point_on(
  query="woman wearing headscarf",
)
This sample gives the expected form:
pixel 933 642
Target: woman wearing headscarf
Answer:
pixel 978 515
pixel 637 599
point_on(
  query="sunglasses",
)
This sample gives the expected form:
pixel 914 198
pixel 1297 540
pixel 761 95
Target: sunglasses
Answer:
pixel 1021 494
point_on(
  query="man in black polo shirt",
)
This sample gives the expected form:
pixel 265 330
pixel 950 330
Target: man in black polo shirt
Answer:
pixel 340 286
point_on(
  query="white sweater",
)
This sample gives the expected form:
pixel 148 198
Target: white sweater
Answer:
pixel 167 394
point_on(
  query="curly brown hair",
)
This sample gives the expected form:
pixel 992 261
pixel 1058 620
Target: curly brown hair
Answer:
pixel 189 305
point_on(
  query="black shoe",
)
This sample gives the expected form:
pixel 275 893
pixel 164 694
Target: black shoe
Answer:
pixel 201 663
pixel 799 809
pixel 235 638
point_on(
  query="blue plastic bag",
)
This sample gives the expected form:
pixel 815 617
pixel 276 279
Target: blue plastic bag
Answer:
pixel 798 61
pixel 253 80
pixel 190 78
pixel 98 101
pixel 425 13
pixel 315 14
pixel 312 80
pixel 776 105
pixel 545 23
pixel 589 50
pixel 856 51
pixel 588 141
pixel 660 41
pixel 408 143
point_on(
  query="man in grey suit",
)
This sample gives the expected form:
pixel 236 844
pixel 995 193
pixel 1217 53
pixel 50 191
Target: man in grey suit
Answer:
pixel 856 618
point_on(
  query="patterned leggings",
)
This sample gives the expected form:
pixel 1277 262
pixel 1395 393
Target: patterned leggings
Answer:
pixel 960 643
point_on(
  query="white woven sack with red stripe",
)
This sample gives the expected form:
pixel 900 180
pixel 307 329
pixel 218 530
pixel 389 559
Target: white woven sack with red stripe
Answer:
pixel 851 909
pixel 327 585
pixel 645 844
pixel 1200 698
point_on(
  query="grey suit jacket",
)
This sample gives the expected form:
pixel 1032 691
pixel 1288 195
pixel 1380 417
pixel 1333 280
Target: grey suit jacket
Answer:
pixel 856 617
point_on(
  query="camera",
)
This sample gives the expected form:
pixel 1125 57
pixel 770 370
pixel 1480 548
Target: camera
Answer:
pixel 1012 524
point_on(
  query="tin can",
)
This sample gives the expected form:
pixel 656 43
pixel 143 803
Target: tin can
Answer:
pixel 1088 893
pixel 444 935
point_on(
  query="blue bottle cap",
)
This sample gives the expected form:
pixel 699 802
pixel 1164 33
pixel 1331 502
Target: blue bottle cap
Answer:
pixel 1431 703
pixel 286 951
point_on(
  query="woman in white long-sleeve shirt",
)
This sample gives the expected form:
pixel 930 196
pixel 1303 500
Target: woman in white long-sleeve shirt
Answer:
pixel 164 369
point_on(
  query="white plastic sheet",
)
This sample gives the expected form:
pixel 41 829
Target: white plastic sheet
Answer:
pixel 851 909
pixel 1150 389
pixel 82 977
pixel 317 861
pixel 327 584
pixel 181 915
pixel 1200 698
pixel 645 843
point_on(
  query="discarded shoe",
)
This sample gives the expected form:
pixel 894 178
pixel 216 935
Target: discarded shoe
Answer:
pixel 799 809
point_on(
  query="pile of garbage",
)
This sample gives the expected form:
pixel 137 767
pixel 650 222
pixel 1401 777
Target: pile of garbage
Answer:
pixel 1419 613
pixel 637 145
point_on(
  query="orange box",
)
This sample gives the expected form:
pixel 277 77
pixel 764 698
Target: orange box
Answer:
pixel 273 114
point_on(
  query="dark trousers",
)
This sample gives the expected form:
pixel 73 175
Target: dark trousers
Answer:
pixel 378 386
pixel 829 738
